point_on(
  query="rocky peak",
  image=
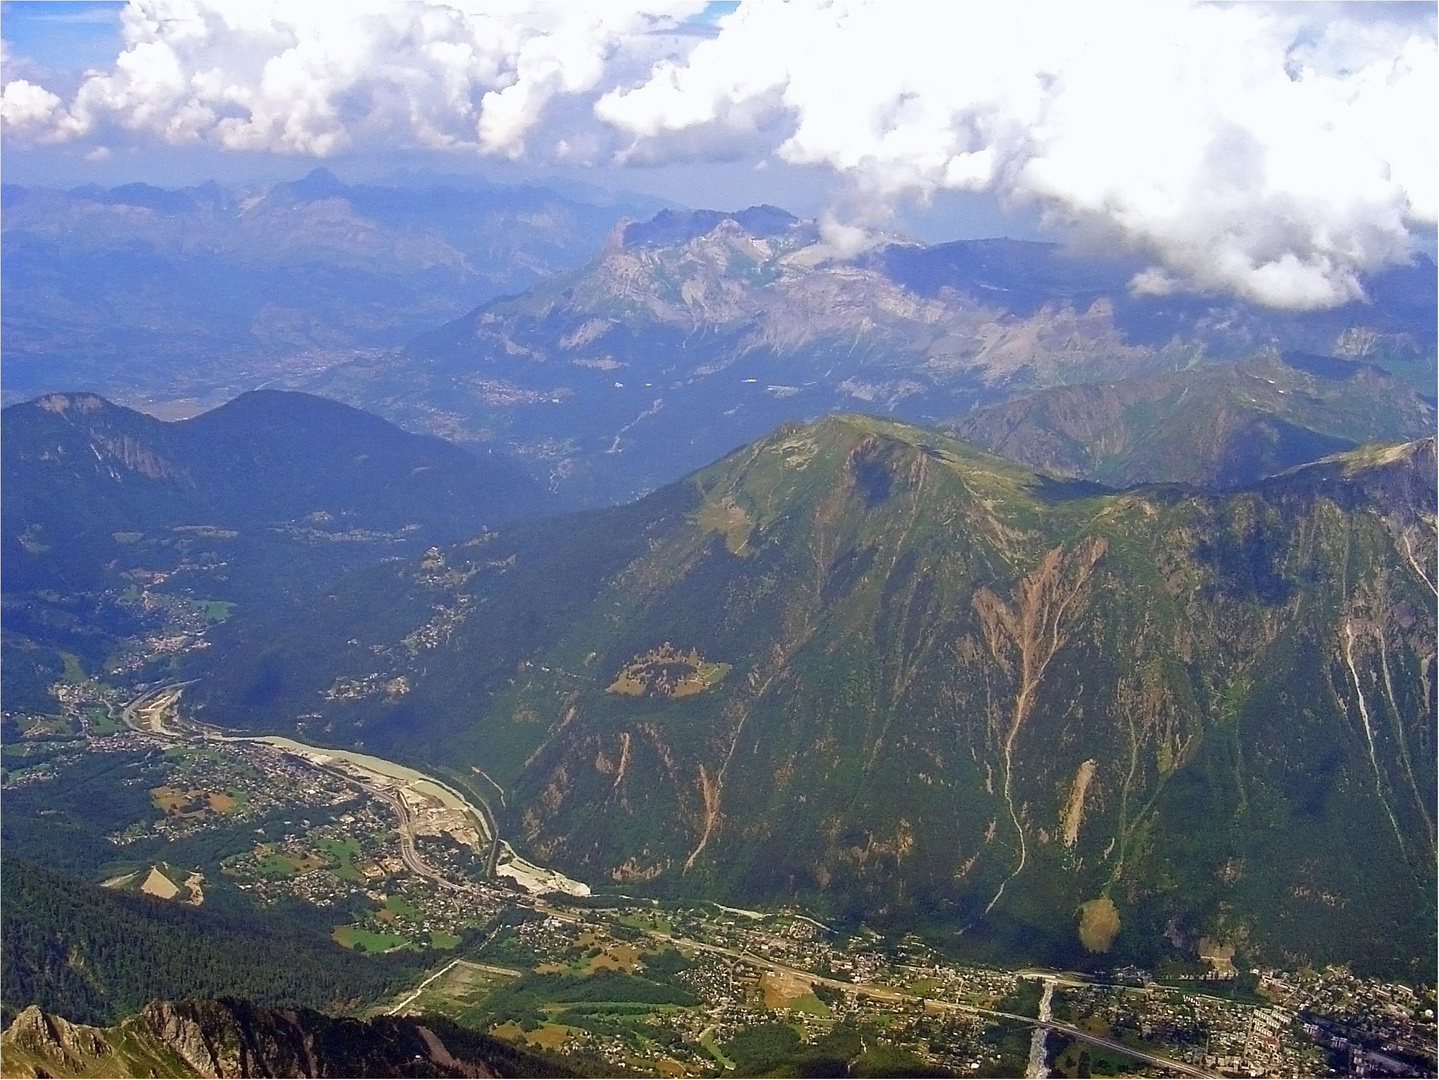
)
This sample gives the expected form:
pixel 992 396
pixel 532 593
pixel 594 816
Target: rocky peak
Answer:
pixel 53 1038
pixel 230 1038
pixel 671 227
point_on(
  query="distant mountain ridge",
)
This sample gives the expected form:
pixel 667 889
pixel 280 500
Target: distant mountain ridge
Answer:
pixel 702 330
pixel 268 495
pixel 675 227
pixel 1396 319
pixel 611 351
pixel 875 671
pixel 1215 426
pixel 78 468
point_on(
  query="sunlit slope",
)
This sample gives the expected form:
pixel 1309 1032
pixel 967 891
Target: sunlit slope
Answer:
pixel 693 333
pixel 231 1037
pixel 1215 426
pixel 879 671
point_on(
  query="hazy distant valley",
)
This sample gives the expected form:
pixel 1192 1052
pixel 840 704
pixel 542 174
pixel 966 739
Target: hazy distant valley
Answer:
pixel 151 295
pixel 873 639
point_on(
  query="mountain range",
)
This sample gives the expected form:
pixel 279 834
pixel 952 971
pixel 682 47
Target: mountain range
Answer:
pixel 693 333
pixel 1104 636
pixel 876 671
pixel 1217 425
pixel 152 294
pixel 610 352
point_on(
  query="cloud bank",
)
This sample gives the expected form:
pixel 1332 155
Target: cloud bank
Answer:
pixel 1277 152
pixel 317 78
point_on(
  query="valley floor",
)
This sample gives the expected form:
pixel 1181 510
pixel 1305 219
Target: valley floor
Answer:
pixel 669 989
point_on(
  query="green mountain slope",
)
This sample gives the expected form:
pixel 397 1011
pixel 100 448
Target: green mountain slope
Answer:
pixel 1211 426
pixel 878 671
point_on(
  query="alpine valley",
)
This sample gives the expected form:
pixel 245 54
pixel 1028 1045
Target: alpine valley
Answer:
pixel 577 684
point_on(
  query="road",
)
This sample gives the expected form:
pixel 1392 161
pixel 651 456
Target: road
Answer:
pixel 509 972
pixel 155 699
pixel 899 997
pixel 408 854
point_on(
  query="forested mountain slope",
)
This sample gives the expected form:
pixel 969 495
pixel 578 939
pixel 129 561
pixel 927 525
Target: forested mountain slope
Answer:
pixel 108 516
pixel 873 669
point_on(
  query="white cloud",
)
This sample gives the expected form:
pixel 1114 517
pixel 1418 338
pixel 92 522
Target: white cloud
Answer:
pixel 1277 151
pixel 23 104
pixel 316 78
pixel 842 241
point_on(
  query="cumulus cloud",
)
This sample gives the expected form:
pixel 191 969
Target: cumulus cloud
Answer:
pixel 317 78
pixel 26 105
pixel 1280 152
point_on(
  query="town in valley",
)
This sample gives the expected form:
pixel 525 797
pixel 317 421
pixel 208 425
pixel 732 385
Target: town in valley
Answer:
pixel 403 862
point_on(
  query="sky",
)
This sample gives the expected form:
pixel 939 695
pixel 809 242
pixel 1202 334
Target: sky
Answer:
pixel 1278 152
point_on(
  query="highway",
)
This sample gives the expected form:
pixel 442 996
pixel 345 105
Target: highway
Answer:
pixel 408 854
pixel 899 997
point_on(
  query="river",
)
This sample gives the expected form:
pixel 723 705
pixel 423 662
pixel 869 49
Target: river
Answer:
pixel 1038 1042
pixel 149 713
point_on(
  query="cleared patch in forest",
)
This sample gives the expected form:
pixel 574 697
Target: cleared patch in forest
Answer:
pixel 667 672
pixel 1098 924
pixel 728 518
pixel 157 884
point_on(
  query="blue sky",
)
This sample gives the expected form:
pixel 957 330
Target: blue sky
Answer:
pixel 62 38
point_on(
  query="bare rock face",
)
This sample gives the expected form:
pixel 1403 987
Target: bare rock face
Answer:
pixel 53 1039
pixel 202 1046
pixel 229 1038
